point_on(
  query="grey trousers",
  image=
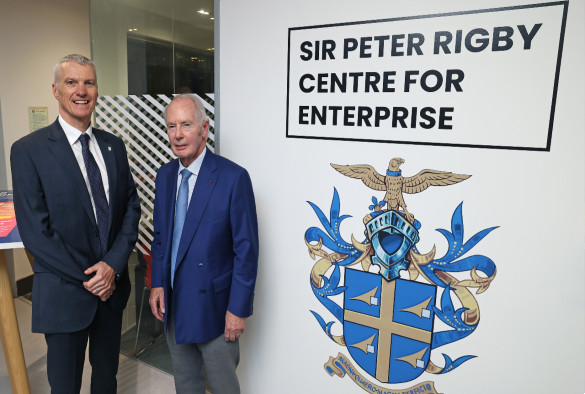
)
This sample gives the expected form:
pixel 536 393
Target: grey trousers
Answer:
pixel 191 362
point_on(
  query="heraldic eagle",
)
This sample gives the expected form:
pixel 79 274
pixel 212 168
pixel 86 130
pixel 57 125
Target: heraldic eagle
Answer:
pixel 395 184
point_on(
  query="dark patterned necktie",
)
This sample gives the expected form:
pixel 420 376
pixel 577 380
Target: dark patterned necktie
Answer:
pixel 97 192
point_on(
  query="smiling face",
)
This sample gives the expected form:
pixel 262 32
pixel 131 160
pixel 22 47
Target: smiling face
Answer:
pixel 76 90
pixel 186 134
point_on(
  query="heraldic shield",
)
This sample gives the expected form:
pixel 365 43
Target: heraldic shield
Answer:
pixel 388 325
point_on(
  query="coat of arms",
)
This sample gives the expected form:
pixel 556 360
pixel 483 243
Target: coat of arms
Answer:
pixel 389 323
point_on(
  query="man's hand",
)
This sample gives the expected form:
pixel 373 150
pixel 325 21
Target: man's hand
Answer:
pixel 234 326
pixel 157 302
pixel 102 284
pixel 108 294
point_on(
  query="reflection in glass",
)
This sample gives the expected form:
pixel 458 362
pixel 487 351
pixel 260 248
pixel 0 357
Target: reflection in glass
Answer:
pixel 143 49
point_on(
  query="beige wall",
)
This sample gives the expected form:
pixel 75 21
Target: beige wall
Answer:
pixel 34 34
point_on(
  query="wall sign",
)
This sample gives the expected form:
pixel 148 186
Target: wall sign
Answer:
pixel 430 79
pixel 38 117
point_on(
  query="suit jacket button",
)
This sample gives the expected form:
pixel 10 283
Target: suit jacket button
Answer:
pixel 200 265
pixel 203 291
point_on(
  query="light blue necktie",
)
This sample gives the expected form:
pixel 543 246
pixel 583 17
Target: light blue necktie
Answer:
pixel 180 213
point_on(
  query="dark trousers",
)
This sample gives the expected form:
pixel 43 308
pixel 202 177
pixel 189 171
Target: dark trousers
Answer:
pixel 66 354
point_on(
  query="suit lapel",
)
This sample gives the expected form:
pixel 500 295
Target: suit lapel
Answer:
pixel 59 146
pixel 206 180
pixel 110 161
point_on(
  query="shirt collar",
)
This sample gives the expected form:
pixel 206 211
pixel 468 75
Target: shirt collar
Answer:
pixel 194 167
pixel 71 132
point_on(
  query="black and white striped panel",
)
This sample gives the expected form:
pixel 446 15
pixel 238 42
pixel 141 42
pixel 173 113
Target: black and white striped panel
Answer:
pixel 139 121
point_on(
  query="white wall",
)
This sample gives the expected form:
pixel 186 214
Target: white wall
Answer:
pixel 530 337
pixel 34 35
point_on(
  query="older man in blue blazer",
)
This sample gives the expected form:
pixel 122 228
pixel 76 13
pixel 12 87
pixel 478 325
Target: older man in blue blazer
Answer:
pixel 77 212
pixel 205 254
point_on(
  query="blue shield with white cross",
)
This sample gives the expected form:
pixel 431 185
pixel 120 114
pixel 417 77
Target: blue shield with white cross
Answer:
pixel 388 325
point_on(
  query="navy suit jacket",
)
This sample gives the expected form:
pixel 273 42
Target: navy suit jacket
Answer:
pixel 217 258
pixel 57 224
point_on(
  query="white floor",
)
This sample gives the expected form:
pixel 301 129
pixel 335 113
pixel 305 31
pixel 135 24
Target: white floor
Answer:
pixel 133 376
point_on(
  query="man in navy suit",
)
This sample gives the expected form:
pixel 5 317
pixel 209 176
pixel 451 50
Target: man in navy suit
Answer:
pixel 77 212
pixel 205 254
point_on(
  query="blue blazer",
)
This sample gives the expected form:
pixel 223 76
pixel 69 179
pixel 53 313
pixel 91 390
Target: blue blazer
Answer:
pixel 217 258
pixel 56 222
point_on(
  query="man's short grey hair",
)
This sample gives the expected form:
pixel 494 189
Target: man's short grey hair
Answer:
pixel 79 59
pixel 200 114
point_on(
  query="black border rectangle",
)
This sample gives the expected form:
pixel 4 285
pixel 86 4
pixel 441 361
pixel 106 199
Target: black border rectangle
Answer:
pixel 565 5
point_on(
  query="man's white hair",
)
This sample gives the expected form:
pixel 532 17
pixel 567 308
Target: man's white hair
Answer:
pixel 200 114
